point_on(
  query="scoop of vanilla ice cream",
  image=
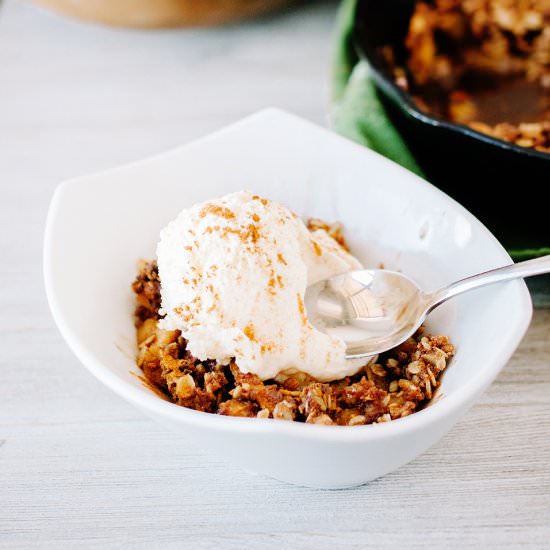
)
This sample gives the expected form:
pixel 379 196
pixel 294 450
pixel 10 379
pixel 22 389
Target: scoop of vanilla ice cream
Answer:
pixel 233 275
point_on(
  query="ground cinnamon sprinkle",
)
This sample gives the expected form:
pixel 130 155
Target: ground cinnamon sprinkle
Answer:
pixel 398 384
pixel 316 247
pixel 221 211
pixel 301 309
pixel 257 198
pixel 249 332
pixel 281 259
pixel 249 234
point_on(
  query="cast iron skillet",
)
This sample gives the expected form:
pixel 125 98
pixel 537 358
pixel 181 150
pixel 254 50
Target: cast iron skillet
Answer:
pixel 503 184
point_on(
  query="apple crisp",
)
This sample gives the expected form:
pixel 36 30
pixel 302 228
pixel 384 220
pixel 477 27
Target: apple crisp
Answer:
pixel 483 63
pixel 401 382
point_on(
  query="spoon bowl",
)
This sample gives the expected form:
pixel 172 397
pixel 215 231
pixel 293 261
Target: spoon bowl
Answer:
pixel 372 310
pixel 375 310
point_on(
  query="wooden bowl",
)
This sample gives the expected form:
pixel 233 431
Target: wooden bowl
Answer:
pixel 161 13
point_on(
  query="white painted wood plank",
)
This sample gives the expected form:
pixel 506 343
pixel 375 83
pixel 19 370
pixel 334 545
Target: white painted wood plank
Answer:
pixel 79 467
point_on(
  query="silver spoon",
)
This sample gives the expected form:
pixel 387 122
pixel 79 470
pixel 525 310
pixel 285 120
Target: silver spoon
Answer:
pixel 374 310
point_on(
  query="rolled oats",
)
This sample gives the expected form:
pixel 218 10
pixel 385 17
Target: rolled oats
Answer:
pixel 461 51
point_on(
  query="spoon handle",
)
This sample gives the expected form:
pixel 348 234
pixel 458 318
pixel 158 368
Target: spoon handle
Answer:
pixel 528 268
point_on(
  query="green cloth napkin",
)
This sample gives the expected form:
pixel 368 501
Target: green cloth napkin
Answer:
pixel 357 111
pixel 358 114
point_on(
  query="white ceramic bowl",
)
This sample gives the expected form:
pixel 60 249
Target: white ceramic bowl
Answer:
pixel 99 226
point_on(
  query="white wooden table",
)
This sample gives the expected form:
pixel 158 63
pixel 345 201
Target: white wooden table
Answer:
pixel 81 468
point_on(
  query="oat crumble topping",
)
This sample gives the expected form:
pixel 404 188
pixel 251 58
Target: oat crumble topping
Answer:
pixel 483 63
